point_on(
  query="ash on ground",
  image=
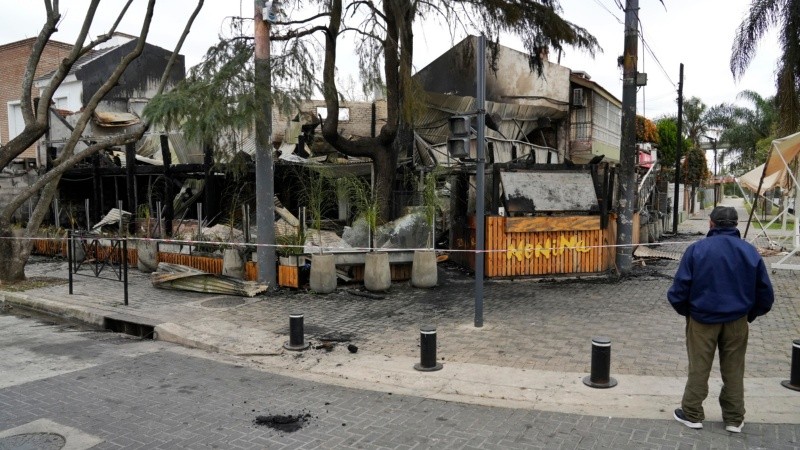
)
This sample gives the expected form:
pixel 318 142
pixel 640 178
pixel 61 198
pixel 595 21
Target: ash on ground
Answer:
pixel 285 423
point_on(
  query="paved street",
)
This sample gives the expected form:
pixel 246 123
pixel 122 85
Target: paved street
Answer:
pixel 517 381
pixel 129 393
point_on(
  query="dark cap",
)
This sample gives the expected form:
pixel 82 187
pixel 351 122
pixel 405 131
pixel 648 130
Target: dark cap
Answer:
pixel 724 216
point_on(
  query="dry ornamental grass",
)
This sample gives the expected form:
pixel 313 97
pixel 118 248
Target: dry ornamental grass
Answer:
pixel 32 283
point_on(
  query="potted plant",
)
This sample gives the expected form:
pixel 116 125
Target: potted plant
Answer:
pixel 290 248
pixel 234 256
pixel 424 273
pixel 147 248
pixel 377 271
pixel 322 278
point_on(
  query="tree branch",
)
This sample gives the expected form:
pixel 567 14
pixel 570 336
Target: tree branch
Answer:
pixel 375 10
pixel 91 105
pixel 65 66
pixel 361 32
pixel 306 20
pixel 178 46
pixel 295 34
pixel 54 174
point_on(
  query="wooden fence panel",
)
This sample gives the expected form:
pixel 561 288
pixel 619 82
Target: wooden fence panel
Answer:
pixel 535 246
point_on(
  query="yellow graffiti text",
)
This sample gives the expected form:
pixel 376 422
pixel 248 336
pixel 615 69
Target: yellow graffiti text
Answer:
pixel 528 250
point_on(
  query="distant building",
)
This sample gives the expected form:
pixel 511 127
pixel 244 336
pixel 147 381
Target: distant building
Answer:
pixel 13 61
pixel 122 105
pixel 595 120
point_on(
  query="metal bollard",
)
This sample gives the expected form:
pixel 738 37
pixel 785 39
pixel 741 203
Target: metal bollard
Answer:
pixel 427 350
pixel 296 334
pixel 793 382
pixel 601 365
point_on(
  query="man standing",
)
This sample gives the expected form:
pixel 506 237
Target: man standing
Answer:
pixel 721 285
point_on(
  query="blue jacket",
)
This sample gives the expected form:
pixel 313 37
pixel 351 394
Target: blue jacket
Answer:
pixel 720 279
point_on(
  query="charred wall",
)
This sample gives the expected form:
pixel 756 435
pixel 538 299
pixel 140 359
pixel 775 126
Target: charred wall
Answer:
pixel 140 78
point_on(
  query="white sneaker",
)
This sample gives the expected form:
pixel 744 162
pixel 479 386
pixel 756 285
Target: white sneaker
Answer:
pixel 681 417
pixel 734 428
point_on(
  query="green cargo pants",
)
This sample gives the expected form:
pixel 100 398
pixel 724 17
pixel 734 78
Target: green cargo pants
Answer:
pixel 702 340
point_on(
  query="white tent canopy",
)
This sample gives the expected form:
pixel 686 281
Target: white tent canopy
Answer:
pixel 775 170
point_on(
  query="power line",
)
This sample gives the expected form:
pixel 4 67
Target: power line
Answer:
pixel 653 54
pixel 611 12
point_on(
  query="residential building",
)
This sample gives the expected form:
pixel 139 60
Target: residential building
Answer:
pixel 13 61
pixel 595 120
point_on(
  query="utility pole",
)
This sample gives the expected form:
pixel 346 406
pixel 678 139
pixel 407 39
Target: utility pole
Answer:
pixel 714 173
pixel 265 174
pixel 627 174
pixel 678 150
pixel 480 195
pixel 716 185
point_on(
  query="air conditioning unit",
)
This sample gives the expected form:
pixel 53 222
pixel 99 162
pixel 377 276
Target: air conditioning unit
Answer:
pixel 578 100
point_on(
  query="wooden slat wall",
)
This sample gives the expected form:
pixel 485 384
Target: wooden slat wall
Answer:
pixel 210 265
pixel 562 259
pixel 47 247
pixel 289 276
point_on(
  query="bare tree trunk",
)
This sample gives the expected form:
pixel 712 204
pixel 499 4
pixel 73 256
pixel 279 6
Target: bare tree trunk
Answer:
pixel 15 246
pixel 384 162
pixel 14 253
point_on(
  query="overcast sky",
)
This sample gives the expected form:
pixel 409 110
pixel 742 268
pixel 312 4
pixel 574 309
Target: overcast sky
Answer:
pixel 697 33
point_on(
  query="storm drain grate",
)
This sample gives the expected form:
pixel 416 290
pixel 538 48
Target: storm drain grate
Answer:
pixel 33 441
pixel 134 329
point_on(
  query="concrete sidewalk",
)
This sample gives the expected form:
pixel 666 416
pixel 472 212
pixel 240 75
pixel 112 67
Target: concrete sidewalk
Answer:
pixel 532 352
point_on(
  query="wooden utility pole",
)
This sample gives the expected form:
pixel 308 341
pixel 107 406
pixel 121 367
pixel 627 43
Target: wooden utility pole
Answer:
pixel 678 150
pixel 627 173
pixel 265 174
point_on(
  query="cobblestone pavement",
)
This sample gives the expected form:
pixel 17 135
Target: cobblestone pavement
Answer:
pixel 528 324
pixel 543 325
pixel 167 397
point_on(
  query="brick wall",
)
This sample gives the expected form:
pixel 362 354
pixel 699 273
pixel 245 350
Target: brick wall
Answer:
pixel 13 59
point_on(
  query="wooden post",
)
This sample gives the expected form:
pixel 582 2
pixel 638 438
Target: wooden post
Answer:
pixel 130 176
pixel 169 189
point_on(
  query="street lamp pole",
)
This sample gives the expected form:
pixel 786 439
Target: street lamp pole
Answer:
pixel 265 171
pixel 714 178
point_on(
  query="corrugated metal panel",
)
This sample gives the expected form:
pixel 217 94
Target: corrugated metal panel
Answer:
pixel 115 119
pixel 182 152
pixel 514 122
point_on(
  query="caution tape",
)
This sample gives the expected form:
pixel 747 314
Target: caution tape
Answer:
pixel 316 248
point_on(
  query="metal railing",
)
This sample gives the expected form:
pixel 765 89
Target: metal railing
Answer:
pixel 96 257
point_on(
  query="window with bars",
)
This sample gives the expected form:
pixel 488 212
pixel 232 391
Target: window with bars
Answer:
pixel 607 122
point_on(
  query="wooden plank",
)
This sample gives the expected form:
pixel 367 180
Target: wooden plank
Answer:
pixel 250 271
pixel 288 276
pixel 544 224
pixel 490 244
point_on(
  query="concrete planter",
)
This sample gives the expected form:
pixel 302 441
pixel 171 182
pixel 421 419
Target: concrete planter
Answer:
pixel 291 261
pixel 322 279
pixel 147 253
pixel 233 263
pixel 78 253
pixel 423 270
pixel 377 273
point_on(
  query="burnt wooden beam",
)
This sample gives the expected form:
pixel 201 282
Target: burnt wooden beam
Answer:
pixel 130 176
pixel 97 188
pixel 179 169
pixel 169 191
